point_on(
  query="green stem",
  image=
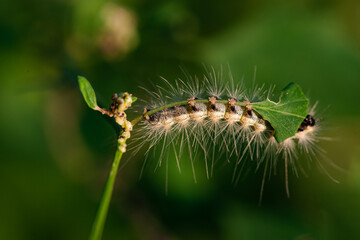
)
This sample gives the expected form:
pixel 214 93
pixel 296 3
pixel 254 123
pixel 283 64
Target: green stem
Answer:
pixel 100 218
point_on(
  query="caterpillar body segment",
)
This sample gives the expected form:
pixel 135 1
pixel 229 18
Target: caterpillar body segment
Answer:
pixel 212 111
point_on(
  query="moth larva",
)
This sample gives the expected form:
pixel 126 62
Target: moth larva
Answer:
pixel 210 119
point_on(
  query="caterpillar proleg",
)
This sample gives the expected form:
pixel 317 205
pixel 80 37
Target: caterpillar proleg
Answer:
pixel 207 118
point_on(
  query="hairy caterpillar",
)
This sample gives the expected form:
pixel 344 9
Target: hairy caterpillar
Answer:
pixel 208 118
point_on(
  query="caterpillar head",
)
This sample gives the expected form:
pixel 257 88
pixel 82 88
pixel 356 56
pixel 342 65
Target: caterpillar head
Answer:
pixel 307 124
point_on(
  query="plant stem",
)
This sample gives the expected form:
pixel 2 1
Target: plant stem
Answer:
pixel 101 214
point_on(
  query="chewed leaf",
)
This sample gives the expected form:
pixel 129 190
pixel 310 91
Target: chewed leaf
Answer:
pixel 286 115
pixel 87 92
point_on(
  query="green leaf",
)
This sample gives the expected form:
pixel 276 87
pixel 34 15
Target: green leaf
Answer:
pixel 286 115
pixel 134 99
pixel 87 92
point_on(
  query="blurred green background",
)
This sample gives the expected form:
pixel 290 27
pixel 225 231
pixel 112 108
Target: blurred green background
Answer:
pixel 56 152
